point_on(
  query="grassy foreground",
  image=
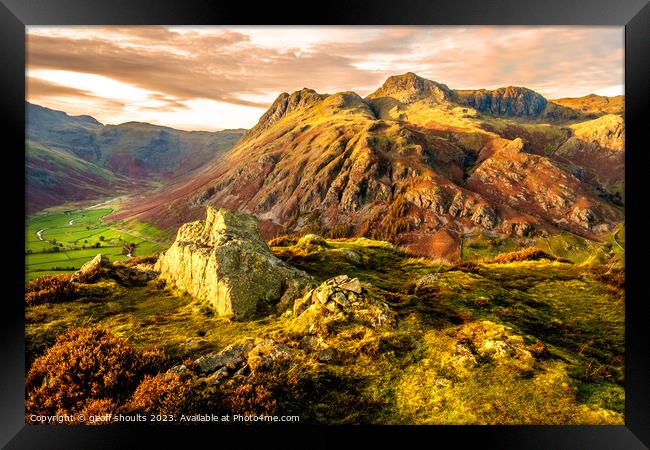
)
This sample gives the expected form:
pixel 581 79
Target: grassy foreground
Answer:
pixel 529 342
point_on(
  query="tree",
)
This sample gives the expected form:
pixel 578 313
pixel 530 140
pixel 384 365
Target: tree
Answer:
pixel 101 238
pixel 98 244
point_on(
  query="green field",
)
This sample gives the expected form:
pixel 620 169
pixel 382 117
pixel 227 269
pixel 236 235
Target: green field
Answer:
pixel 69 238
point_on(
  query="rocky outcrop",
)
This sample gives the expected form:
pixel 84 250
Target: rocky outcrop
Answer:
pixel 242 358
pixel 95 269
pixel 409 88
pixel 339 299
pixel 506 101
pixel 282 106
pixel 222 259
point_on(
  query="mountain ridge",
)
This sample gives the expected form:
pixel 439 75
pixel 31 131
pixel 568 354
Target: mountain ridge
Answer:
pixel 100 158
pixel 342 165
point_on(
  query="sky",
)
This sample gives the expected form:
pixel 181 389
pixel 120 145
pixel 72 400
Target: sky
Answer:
pixel 212 78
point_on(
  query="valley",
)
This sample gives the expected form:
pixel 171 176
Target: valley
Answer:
pixel 62 239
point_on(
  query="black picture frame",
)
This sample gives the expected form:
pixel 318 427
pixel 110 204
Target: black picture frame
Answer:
pixel 633 14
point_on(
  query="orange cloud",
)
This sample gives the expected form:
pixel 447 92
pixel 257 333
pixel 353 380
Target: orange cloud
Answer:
pixel 184 68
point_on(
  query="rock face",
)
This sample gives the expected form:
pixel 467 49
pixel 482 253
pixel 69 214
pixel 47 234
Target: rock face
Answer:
pixel 242 358
pixel 231 357
pixel 282 106
pixel 338 299
pixel 223 259
pixel 509 101
pixel 409 87
pixel 402 165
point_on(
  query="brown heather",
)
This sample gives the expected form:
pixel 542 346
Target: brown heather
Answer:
pixel 50 288
pixel 84 365
pixel 527 254
pixel 165 393
pixel 252 400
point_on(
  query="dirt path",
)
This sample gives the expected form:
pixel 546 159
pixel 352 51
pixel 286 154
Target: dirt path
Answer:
pixel 39 234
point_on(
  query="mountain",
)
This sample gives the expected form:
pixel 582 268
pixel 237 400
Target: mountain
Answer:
pixel 415 163
pixel 77 157
pixel 54 176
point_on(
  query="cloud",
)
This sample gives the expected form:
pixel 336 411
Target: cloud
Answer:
pixel 247 67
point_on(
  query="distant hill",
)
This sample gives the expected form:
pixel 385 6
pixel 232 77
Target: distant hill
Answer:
pixel 594 105
pixel 77 157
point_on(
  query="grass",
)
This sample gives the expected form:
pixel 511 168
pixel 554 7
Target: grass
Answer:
pixel 71 237
pixel 562 306
pixel 144 316
pixel 519 343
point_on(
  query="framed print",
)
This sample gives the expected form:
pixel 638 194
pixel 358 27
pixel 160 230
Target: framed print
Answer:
pixel 397 219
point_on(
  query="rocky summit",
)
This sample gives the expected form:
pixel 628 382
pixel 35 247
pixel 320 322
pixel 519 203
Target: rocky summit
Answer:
pixel 222 259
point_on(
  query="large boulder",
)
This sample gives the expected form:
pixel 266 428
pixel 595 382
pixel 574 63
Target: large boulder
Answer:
pixel 222 259
pixel 92 270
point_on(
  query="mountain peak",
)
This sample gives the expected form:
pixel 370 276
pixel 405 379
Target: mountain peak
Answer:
pixel 409 88
pixel 282 106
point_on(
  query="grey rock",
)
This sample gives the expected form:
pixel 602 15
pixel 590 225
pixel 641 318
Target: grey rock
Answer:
pixel 218 376
pixel 180 369
pixel 352 257
pixel 353 285
pixel 341 299
pixel 100 261
pixel 231 356
pixel 222 259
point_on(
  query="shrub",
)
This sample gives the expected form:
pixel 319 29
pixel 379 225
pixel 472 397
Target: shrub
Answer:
pixel 84 364
pixel 340 231
pixel 613 279
pixel 399 208
pixel 282 241
pixel 250 399
pixel 153 360
pixel 467 266
pixel 50 288
pixel 164 393
pixel 99 409
pixel 527 254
